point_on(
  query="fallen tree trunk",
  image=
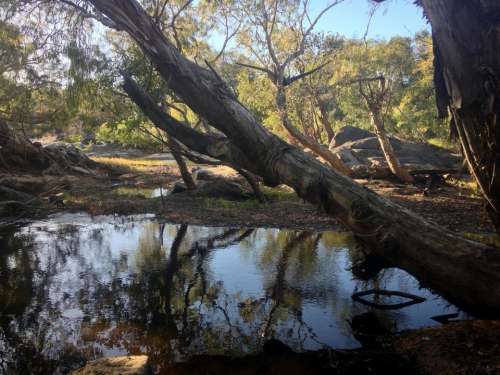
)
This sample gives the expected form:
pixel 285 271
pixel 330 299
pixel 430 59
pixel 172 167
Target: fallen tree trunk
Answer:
pixel 18 153
pixel 464 271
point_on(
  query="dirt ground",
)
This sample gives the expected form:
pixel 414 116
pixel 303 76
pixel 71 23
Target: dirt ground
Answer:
pixel 462 348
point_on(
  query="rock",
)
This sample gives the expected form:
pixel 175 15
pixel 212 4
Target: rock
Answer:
pixel 368 329
pixel 217 188
pixel 179 187
pixel 348 134
pixel 126 365
pixel 365 156
pixel 200 174
pixel 221 188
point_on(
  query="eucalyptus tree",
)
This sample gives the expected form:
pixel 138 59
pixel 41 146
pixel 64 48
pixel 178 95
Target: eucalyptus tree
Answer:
pixel 416 115
pixel 275 34
pixel 375 75
pixel 29 92
pixel 186 24
pixel 319 93
pixel 312 101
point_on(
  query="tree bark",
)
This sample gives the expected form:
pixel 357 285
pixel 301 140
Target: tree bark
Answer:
pixel 467 59
pixel 305 140
pixel 325 121
pixel 387 150
pixel 254 184
pixel 181 163
pixel 466 272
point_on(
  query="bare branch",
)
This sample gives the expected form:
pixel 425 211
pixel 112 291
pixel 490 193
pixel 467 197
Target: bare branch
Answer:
pixel 181 9
pixel 370 18
pixel 162 11
pixel 290 80
pixel 269 30
pixel 227 38
pixel 359 80
pixel 260 68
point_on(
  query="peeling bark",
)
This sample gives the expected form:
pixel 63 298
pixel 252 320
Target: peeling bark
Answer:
pixel 464 271
pixel 466 37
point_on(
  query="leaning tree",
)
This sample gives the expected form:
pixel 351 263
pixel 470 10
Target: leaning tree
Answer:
pixel 277 34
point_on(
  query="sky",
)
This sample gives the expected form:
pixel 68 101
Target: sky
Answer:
pixel 350 18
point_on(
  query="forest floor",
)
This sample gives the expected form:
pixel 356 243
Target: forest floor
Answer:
pixel 457 348
pixel 141 185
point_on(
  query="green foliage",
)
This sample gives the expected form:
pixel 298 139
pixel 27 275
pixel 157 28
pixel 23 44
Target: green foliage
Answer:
pixel 416 114
pixel 129 133
pixel 73 90
pixel 332 94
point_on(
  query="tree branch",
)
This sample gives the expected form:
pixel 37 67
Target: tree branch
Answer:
pixel 290 80
pixel 255 67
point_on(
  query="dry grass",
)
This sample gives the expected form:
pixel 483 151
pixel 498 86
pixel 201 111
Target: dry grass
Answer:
pixel 439 142
pixel 137 165
pixel 466 186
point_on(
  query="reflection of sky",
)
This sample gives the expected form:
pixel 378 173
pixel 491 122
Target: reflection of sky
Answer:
pixel 84 255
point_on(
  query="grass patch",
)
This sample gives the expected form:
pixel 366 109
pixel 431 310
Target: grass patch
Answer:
pixel 136 191
pixel 469 186
pixel 278 194
pixel 281 193
pixel 135 165
pixel 444 143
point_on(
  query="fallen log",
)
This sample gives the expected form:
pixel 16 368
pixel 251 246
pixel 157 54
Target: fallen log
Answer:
pixel 466 272
pixel 18 153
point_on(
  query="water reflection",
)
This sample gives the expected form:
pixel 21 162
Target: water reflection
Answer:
pixel 75 288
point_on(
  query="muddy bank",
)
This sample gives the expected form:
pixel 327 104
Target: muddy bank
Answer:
pixel 459 348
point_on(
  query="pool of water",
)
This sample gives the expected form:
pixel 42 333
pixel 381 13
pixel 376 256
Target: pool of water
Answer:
pixel 75 287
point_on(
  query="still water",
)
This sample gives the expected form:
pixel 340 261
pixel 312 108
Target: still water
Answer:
pixel 75 287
